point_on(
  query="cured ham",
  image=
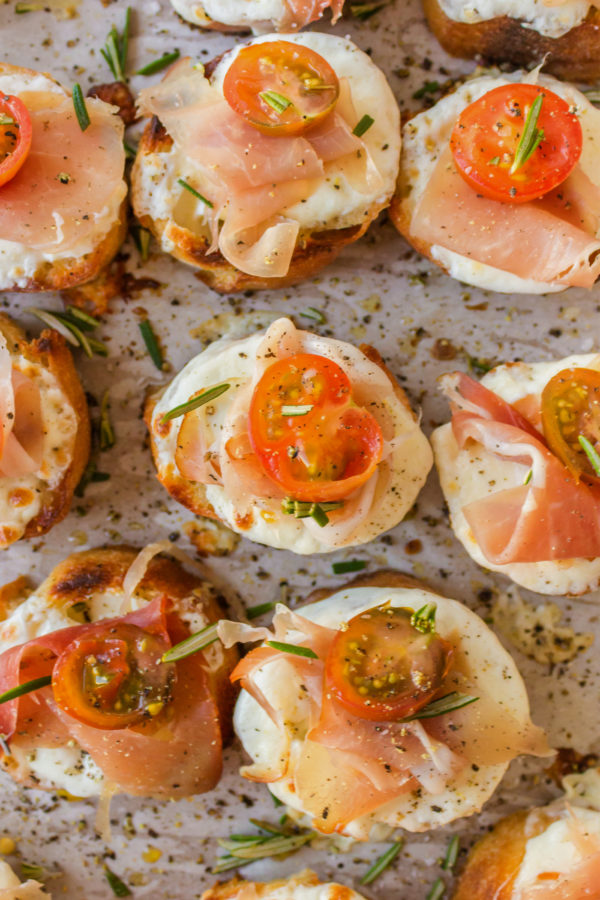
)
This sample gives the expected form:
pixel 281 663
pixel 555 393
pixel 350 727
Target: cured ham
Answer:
pixel 176 762
pixel 69 178
pixel 551 240
pixel 552 516
pixel 303 12
pixel 21 422
pixel 250 178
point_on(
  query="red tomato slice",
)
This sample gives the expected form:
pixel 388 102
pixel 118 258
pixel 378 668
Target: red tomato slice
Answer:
pixel 307 432
pixel 15 136
pixel 382 668
pixel 485 139
pixel 570 410
pixel 113 677
pixel 281 87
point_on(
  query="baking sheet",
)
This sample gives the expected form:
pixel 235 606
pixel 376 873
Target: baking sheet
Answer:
pixel 379 291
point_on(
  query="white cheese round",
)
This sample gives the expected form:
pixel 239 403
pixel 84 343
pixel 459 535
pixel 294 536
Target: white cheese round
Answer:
pixel 256 15
pixel 492 669
pixel 550 19
pixel 428 133
pixel 471 473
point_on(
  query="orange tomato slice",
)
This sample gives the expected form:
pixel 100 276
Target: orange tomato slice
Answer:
pixel 280 87
pixel 487 135
pixel 570 411
pixel 15 136
pixel 309 435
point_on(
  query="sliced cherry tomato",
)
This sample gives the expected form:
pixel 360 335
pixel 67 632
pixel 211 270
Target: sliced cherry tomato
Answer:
pixel 15 136
pixel 113 677
pixel 308 433
pixel 281 87
pixel 570 409
pixel 381 667
pixel 487 135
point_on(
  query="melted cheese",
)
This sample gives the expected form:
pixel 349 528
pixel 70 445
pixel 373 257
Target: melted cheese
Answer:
pixel 550 20
pixel 427 134
pixel 415 811
pixel 19 263
pixel 21 498
pixel 473 472
pixel 257 15
pixel 335 203
pixel 234 362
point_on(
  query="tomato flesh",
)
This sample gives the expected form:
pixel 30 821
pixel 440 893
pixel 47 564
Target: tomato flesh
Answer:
pixel 113 677
pixel 326 451
pixel 280 87
pixel 15 136
pixel 570 409
pixel 383 668
pixel 487 134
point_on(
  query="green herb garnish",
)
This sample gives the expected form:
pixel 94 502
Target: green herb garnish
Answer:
pixel 116 49
pixel 141 238
pixel 6 120
pixel 302 510
pixel 72 324
pixel 195 402
pixel 430 87
pixel 446 704
pixel 363 125
pixel 193 191
pixel 107 434
pixel 451 854
pixel 532 136
pixel 196 642
pixel 528 477
pixel 382 863
pixel 152 345
pixel 300 410
pixel 312 313
pixel 438 889
pixel 349 565
pixel 242 849
pixel 276 101
pixel 81 112
pixel 253 612
pixel 293 649
pixel 494 161
pixel 33 871
pixel 26 688
pixel 364 11
pixel 591 453
pixel 159 64
pixel 424 619
pixel 119 888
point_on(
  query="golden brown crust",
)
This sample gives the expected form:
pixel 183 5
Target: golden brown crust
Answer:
pixel 494 862
pixel 83 574
pixel 65 273
pixel 400 215
pixel 192 494
pixel 575 56
pixel 51 352
pixel 229 890
pixel 313 252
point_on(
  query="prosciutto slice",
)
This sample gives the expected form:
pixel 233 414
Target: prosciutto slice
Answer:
pixel 21 422
pixel 252 178
pixel 303 12
pixel 552 516
pixel 176 762
pixel 69 178
pixel 548 240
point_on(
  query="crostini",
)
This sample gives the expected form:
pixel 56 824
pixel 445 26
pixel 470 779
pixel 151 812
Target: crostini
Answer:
pixel 91 641
pixel 293 440
pixel 44 432
pixel 551 853
pixel 520 470
pixel 62 190
pixel 303 886
pixel 564 34
pixel 256 15
pixel 381 705
pixel 260 168
pixel 500 185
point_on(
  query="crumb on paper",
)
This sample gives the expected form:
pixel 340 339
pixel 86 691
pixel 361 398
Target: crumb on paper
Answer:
pixel 211 538
pixel 536 630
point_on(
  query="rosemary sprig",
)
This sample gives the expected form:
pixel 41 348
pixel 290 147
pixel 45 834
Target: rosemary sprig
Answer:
pixel 72 324
pixel 242 849
pixel 157 65
pixel 446 704
pixel 107 434
pixel 192 190
pixel 195 402
pixel 193 644
pixel 528 477
pixel 364 11
pixel 276 101
pixel 382 863
pixel 591 453
pixel 532 136
pixel 311 312
pixel 152 345
pixel 142 238
pixel 363 125
pixel 91 475
pixel 26 688
pixel 293 649
pixel 299 410
pixel 437 891
pixel 119 888
pixel 83 117
pixel 451 854
pixel 116 49
pixel 348 565
pixel 303 510
pixel 253 612
pixel 32 870
pixel 424 619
